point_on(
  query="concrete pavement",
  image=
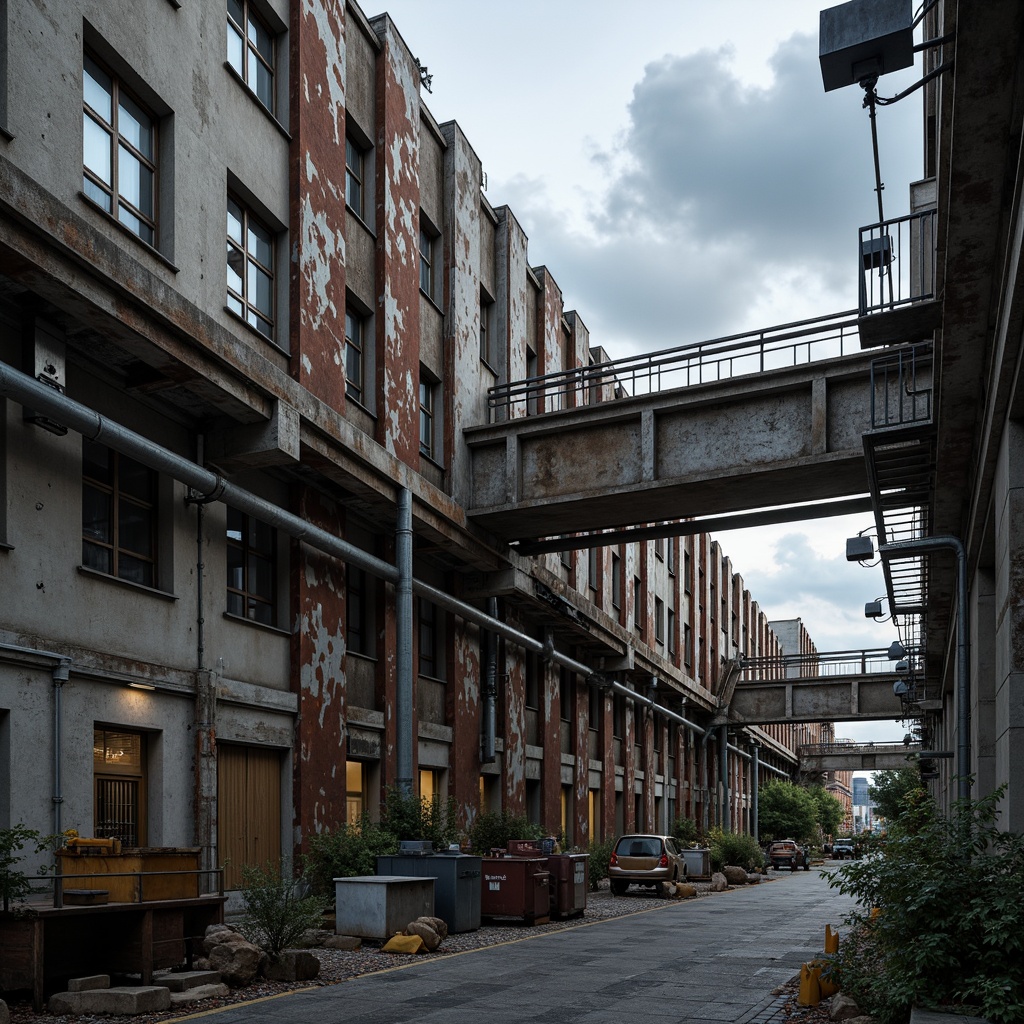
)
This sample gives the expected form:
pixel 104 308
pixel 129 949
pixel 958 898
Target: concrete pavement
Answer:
pixel 704 961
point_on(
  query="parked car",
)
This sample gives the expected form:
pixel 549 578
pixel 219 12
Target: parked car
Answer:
pixel 844 848
pixel 788 853
pixel 645 860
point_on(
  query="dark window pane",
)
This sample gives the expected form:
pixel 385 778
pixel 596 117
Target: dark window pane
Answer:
pixel 95 557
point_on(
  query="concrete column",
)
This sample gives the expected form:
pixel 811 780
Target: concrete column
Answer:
pixel 983 676
pixel 1009 631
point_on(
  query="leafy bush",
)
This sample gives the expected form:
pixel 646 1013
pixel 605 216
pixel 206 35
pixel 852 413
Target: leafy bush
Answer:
pixel 597 865
pixel 345 852
pixel 950 931
pixel 492 830
pixel 16 883
pixel 685 831
pixel 407 816
pixel 734 848
pixel 786 811
pixel 276 916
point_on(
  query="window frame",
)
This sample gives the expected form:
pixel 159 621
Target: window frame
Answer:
pixel 429 656
pixel 429 393
pixel 355 343
pixel 428 258
pixel 116 495
pixel 114 200
pixel 251 599
pixel 355 174
pixel 250 50
pixel 105 771
pixel 240 246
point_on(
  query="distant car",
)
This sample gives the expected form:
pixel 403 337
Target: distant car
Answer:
pixel 788 853
pixel 844 848
pixel 645 860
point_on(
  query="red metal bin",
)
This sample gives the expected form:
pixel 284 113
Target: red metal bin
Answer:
pixel 515 887
pixel 569 883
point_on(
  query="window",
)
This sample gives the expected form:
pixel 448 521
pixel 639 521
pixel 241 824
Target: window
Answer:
pixel 687 645
pixel 250 268
pixel 565 557
pixel 354 361
pixel 358 630
pixel 565 695
pixel 251 50
pixel 672 646
pixel 118 151
pixel 427 239
pixel 428 423
pixel 659 548
pixel 429 647
pixel 488 334
pixel 119 789
pixel 659 620
pixel 687 573
pixel 355 170
pixel 592 568
pixel 712 605
pixel 252 568
pixel 355 791
pixel 671 551
pixel 616 580
pixel 638 618
pixel 119 497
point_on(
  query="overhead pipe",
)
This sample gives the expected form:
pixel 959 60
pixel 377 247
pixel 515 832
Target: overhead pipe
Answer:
pixel 488 751
pixel 48 401
pixel 723 777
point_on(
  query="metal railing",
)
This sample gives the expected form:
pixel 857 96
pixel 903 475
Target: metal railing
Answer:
pixel 704 362
pixel 58 882
pixel 901 387
pixel 896 262
pixel 869 661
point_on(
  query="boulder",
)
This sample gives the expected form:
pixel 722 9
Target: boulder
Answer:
pixel 843 1008
pixel 754 878
pixel 734 875
pixel 5 1014
pixel 193 995
pixel 420 927
pixel 349 942
pixel 684 890
pixel 312 938
pixel 718 882
pixel 232 954
pixel 292 965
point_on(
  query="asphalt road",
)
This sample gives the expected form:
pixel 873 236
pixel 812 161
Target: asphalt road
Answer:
pixel 700 961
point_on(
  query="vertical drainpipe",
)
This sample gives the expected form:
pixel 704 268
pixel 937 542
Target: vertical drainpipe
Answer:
pixel 60 676
pixel 487 749
pixel 723 771
pixel 403 629
pixel 755 828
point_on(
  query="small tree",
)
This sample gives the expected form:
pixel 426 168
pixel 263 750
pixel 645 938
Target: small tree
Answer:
pixel 345 852
pixel 786 811
pixel 16 883
pixel 276 916
pixel 597 863
pixel 893 791
pixel 734 848
pixel 685 830
pixel 828 810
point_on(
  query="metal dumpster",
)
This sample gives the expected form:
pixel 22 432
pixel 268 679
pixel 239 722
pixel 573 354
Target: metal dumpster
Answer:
pixel 569 883
pixel 698 863
pixel 456 885
pixel 515 887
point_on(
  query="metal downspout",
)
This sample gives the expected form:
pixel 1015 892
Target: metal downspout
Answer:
pixel 403 630
pixel 723 772
pixel 963 692
pixel 60 676
pixel 488 751
pixel 755 825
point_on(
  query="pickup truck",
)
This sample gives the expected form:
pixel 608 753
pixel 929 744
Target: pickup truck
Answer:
pixel 787 853
pixel 844 848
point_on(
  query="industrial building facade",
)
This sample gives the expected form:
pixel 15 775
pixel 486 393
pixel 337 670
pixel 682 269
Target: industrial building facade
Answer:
pixel 175 670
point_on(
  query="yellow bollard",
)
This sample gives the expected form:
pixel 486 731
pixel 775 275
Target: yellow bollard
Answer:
pixel 826 986
pixel 810 987
pixel 831 940
pixel 876 912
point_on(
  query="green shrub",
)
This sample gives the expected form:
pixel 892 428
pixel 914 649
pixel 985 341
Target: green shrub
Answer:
pixel 950 932
pixel 276 916
pixel 345 852
pixel 685 831
pixel 597 865
pixel 407 816
pixel 16 883
pixel 734 848
pixel 492 830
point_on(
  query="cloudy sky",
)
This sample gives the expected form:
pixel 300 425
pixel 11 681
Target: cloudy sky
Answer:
pixel 683 175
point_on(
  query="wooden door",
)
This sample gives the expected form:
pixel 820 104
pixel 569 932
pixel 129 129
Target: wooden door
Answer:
pixel 248 809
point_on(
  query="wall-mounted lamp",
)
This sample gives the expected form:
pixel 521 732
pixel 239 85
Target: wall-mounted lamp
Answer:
pixel 141 686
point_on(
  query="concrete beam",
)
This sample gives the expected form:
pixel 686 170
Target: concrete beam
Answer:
pixel 847 698
pixel 743 443
pixel 863 757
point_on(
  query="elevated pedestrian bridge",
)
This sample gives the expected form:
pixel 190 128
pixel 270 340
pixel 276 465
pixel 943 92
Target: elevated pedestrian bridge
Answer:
pixel 839 686
pixel 768 418
pixel 858 757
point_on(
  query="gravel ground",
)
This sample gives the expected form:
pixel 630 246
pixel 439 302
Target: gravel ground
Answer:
pixel 338 965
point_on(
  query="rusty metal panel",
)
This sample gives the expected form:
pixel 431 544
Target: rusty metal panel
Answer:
pixel 317 205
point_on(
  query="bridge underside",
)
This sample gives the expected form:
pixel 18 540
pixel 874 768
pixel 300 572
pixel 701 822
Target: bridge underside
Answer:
pixel 746 443
pixel 847 698
pixel 861 758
